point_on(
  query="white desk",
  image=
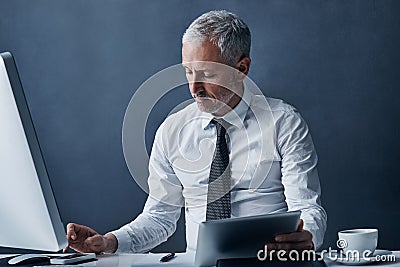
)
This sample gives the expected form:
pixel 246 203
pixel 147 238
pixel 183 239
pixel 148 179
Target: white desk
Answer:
pixel 181 260
pixel 128 260
pixel 125 260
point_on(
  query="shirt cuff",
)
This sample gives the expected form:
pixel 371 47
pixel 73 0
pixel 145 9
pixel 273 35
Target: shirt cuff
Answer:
pixel 317 242
pixel 124 241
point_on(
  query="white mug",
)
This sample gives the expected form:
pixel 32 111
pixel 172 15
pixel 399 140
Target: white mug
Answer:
pixel 362 241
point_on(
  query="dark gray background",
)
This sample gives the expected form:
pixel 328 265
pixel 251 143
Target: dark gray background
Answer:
pixel 336 61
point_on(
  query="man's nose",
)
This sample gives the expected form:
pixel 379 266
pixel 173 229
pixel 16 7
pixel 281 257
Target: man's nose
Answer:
pixel 195 84
pixel 195 87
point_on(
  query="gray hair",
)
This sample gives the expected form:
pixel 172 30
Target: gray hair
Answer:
pixel 223 29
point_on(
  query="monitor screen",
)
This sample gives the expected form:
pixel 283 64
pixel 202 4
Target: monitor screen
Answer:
pixel 29 217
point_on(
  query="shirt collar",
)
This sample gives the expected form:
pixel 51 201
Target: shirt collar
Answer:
pixel 234 117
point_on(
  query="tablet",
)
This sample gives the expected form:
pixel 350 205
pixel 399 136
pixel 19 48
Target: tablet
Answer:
pixel 240 237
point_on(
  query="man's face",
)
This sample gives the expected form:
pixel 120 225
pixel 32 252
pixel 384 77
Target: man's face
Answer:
pixel 211 82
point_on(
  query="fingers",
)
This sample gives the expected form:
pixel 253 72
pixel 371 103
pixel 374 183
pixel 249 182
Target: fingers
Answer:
pixel 299 246
pixel 76 236
pixel 94 244
pixel 77 232
pixel 84 239
pixel 300 226
pixel 300 240
pixel 294 237
pixel 297 236
pixel 81 247
pixel 71 232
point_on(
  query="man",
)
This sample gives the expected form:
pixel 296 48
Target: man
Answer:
pixel 261 159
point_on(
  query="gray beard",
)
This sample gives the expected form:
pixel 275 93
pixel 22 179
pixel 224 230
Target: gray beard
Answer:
pixel 218 104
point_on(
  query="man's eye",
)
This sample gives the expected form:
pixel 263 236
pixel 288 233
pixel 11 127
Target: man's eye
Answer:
pixel 189 73
pixel 209 75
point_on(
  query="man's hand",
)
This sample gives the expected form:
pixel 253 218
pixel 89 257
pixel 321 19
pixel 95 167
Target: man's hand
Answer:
pixel 86 240
pixel 299 240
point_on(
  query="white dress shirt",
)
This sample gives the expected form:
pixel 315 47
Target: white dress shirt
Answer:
pixel 273 168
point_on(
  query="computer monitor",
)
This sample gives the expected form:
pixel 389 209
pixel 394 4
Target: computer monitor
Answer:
pixel 29 218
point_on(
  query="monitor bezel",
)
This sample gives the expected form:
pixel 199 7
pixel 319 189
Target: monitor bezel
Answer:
pixel 36 151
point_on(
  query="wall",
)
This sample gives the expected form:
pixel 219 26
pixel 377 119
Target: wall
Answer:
pixel 336 61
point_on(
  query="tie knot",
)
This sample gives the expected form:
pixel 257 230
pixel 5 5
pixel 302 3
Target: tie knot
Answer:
pixel 220 128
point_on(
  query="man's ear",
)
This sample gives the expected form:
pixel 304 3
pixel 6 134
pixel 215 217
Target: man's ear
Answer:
pixel 243 65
